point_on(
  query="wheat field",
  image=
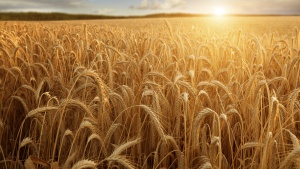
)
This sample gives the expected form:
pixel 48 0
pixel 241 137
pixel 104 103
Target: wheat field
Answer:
pixel 151 93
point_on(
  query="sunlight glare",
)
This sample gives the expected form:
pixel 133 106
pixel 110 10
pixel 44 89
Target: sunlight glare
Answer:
pixel 219 11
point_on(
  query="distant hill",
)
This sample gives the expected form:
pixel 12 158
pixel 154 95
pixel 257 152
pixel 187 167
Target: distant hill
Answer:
pixel 36 16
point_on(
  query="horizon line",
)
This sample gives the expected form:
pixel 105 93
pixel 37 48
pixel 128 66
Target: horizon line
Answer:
pixel 58 16
pixel 150 14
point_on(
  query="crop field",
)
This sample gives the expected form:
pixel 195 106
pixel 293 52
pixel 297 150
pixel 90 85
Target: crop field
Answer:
pixel 208 92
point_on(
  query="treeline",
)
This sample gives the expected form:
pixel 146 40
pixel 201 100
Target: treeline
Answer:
pixel 36 16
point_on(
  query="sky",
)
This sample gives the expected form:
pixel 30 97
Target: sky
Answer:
pixel 143 7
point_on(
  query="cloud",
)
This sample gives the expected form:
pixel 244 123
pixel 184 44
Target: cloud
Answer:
pixel 284 7
pixel 104 11
pixel 156 4
pixel 269 7
pixel 44 5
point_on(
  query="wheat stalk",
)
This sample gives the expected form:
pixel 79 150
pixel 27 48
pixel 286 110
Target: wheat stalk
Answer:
pixel 84 164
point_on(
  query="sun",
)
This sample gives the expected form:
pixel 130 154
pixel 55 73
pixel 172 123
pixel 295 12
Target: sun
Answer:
pixel 219 11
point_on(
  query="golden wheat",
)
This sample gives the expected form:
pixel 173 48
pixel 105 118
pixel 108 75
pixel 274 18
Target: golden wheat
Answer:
pixel 174 93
